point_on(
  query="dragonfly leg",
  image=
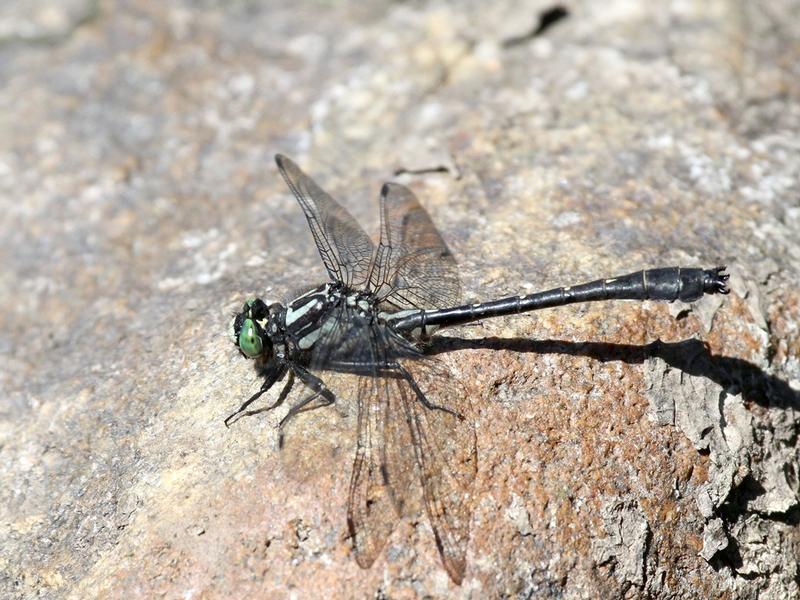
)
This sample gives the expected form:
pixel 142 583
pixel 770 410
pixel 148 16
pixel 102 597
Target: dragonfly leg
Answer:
pixel 272 376
pixel 322 394
pixel 421 395
pixel 284 393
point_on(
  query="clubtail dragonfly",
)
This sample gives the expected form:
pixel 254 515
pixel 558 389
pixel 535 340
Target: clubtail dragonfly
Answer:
pixel 370 322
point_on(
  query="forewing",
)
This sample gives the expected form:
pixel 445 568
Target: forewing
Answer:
pixel 413 268
pixel 347 351
pixel 371 513
pixel 414 421
pixel 446 455
pixel 384 467
pixel 400 470
pixel 345 248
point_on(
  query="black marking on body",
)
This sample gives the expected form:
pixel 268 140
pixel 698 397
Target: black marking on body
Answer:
pixel 305 316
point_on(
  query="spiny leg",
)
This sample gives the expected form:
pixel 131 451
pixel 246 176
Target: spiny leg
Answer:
pixel 272 376
pixel 244 406
pixel 320 391
pixel 421 396
pixel 284 393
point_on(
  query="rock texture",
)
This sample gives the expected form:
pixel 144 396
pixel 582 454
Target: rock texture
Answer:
pixel 625 449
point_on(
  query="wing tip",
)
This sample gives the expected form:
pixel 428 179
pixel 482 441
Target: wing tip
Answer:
pixel 454 563
pixel 364 560
pixel 397 187
pixel 386 188
pixel 455 569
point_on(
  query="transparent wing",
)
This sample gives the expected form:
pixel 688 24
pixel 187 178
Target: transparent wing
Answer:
pixel 381 477
pixel 345 248
pixel 407 435
pixel 350 344
pixel 445 453
pixel 413 266
pixel 371 513
pixel 414 425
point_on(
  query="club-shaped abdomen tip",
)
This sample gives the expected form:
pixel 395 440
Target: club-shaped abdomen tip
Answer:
pixel 716 281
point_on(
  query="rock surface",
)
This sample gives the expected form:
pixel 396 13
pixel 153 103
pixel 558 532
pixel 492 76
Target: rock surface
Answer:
pixel 625 449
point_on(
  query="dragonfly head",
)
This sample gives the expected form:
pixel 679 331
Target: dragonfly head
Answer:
pixel 249 329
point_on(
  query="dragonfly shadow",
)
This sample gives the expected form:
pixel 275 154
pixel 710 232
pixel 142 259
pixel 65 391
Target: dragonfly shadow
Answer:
pixel 691 356
pixel 694 358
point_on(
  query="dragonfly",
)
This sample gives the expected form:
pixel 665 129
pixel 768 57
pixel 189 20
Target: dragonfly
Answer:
pixel 370 323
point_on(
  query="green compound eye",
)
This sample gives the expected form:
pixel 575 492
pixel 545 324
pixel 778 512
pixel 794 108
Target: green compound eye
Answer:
pixel 249 341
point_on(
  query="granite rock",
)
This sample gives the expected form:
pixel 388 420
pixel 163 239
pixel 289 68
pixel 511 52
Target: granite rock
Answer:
pixel 625 449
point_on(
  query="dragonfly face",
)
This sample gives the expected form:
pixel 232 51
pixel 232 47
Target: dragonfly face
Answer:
pixel 249 329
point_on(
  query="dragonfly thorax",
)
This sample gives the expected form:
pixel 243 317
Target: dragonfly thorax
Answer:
pixel 308 318
pixel 261 331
